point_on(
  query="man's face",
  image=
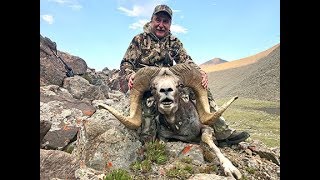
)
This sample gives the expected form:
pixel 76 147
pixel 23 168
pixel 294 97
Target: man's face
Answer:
pixel 160 24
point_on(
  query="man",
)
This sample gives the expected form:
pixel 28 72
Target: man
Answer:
pixel 156 46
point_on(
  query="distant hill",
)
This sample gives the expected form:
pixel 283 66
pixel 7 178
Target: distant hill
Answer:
pixel 255 77
pixel 237 63
pixel 214 61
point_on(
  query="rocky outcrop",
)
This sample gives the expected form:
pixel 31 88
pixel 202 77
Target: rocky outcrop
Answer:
pixel 52 69
pixel 80 141
pixel 57 164
pixel 93 144
pixel 44 128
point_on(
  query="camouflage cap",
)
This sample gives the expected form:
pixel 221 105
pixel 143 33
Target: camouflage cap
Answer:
pixel 163 8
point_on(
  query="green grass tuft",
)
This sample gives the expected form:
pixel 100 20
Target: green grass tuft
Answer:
pixel 180 171
pixel 118 174
pixel 155 153
pixel 259 118
pixel 250 170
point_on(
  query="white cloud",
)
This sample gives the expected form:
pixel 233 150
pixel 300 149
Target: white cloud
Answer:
pixel 61 1
pixel 178 29
pixel 141 8
pixel 139 24
pixel 175 29
pixel 135 12
pixel 47 18
pixel 73 4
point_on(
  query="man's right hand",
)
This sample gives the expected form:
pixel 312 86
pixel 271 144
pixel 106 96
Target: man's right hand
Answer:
pixel 130 81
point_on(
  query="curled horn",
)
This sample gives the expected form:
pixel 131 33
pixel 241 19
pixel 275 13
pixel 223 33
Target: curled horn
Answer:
pixel 141 83
pixel 191 77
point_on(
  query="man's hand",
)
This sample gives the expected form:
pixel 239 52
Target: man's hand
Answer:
pixel 204 80
pixel 130 81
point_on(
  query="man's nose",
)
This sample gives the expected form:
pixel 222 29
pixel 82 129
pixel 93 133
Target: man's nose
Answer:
pixel 161 23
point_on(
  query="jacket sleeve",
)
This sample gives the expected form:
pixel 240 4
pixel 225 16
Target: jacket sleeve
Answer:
pixel 180 55
pixel 130 58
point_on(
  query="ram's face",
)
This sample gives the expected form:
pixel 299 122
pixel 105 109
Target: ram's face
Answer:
pixel 165 90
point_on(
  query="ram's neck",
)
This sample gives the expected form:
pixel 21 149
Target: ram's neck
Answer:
pixel 171 117
pixel 182 114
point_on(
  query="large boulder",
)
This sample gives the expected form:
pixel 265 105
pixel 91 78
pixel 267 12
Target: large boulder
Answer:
pixel 52 69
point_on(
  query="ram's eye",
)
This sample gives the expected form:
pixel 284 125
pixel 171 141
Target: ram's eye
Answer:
pixel 153 90
pixel 181 85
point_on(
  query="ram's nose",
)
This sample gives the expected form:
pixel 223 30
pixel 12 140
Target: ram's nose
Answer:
pixel 165 90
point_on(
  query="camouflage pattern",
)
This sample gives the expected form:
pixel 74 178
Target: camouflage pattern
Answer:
pixel 146 49
pixel 148 128
pixel 164 8
pixel 221 129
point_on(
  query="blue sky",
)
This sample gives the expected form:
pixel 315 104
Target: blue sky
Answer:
pixel 99 31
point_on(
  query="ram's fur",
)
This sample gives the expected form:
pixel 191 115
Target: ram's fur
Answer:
pixel 179 118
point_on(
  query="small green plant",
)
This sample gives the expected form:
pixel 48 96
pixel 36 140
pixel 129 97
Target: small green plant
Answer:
pixel 244 178
pixel 141 166
pixel 180 172
pixel 156 152
pixel 250 170
pixel 188 168
pixel 118 174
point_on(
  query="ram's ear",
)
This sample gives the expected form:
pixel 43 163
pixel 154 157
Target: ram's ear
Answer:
pixel 184 92
pixel 185 97
pixel 150 101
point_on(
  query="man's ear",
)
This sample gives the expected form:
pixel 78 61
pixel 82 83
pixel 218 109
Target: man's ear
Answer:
pixel 150 101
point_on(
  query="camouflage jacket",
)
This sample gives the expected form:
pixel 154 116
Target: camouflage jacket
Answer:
pixel 146 49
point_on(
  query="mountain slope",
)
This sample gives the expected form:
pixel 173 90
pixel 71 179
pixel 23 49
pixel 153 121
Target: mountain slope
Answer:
pixel 258 80
pixel 238 63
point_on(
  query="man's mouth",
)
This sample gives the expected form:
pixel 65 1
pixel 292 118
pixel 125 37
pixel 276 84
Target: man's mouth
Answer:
pixel 161 30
